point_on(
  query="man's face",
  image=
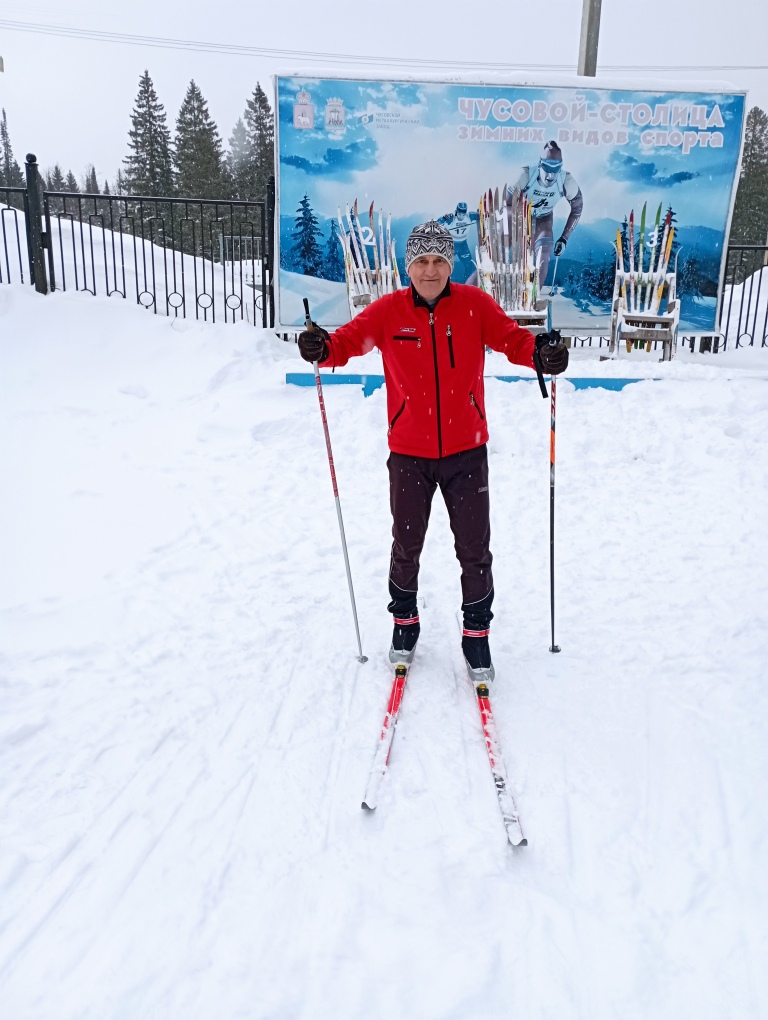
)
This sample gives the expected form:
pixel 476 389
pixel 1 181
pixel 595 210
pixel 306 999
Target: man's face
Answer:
pixel 429 275
pixel 548 172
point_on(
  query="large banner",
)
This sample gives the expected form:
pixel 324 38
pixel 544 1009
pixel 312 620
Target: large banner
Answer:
pixel 584 158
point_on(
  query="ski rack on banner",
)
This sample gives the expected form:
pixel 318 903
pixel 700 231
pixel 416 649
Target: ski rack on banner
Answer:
pixel 639 288
pixel 367 277
pixel 508 268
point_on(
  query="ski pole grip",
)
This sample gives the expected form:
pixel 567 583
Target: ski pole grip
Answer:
pixel 308 323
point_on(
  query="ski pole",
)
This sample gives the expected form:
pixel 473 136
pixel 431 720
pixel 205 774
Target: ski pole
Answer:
pixel 553 388
pixel 554 276
pixel 310 328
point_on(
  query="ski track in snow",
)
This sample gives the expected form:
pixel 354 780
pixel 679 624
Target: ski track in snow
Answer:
pixel 186 733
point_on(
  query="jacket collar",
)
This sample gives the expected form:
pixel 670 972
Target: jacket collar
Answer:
pixel 419 302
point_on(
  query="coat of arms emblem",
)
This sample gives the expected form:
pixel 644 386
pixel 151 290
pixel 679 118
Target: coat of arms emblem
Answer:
pixel 335 116
pixel 303 111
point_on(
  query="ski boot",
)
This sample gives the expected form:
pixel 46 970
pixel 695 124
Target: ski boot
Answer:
pixel 404 638
pixel 477 655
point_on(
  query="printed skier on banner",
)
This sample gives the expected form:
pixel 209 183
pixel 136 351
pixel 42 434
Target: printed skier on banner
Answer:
pixel 544 186
pixel 459 224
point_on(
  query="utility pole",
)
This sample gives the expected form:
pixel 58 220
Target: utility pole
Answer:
pixel 590 31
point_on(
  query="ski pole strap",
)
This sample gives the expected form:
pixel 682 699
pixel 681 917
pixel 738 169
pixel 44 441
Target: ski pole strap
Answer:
pixel 540 373
pixel 405 623
pixel 475 633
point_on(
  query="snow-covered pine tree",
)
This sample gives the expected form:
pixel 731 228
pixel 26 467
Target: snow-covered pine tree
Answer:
pixel 689 274
pixel 70 183
pixel 149 164
pixel 307 256
pixel 333 262
pixel 239 161
pixel 261 138
pixel 198 158
pixel 11 175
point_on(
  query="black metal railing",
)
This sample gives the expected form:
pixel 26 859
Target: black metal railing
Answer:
pixel 13 234
pixel 743 317
pixel 210 259
pixel 205 258
pixel 214 258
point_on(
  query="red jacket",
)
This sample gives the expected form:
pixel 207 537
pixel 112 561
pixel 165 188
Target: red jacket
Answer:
pixel 433 364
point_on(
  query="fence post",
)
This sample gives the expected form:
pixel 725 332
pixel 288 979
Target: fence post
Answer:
pixel 34 228
pixel 270 247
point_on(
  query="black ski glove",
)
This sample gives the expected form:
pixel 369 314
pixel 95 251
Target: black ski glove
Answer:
pixel 560 244
pixel 552 352
pixel 313 346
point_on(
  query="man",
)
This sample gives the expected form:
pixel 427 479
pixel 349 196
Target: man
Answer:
pixel 458 224
pixel 432 337
pixel 544 186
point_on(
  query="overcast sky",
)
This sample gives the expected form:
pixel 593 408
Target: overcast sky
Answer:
pixel 69 100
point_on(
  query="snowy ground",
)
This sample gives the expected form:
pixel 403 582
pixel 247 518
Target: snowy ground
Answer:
pixel 186 734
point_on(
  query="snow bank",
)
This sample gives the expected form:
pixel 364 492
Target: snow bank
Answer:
pixel 186 734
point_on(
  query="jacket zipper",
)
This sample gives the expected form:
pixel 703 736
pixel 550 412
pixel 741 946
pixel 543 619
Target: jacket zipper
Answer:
pixel 417 339
pixel 475 404
pixel 392 423
pixel 437 386
pixel 450 344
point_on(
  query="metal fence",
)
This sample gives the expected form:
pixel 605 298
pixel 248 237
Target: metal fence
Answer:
pixel 744 309
pixel 210 259
pixel 13 235
pixel 213 259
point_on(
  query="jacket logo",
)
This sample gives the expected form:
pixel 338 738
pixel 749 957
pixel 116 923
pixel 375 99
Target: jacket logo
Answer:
pixel 407 329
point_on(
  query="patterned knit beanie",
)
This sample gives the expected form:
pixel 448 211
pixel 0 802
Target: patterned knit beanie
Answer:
pixel 429 239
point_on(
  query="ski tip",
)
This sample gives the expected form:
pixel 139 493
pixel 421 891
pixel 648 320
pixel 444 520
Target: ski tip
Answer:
pixel 368 807
pixel 523 842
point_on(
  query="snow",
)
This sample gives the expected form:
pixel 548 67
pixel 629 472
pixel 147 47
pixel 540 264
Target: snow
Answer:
pixel 186 733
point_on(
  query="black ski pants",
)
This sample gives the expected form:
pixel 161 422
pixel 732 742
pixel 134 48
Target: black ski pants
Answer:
pixel 463 481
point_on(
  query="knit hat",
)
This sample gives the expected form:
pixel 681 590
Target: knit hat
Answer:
pixel 429 239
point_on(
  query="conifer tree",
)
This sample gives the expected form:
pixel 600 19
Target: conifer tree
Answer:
pixel 54 179
pixel 239 161
pixel 91 185
pixel 199 161
pixel 261 136
pixel 70 183
pixel 149 165
pixel 307 255
pixel 11 175
pixel 333 263
pixel 750 214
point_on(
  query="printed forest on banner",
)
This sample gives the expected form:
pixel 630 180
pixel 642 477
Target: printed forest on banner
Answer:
pixel 581 160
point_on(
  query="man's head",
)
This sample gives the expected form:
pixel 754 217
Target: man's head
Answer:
pixel 550 163
pixel 429 259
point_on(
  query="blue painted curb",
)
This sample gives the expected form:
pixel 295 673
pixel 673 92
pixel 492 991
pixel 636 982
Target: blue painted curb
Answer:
pixel 371 383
